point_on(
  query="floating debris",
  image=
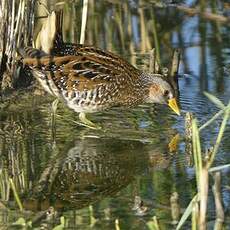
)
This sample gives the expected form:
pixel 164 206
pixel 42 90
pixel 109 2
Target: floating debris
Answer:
pixel 175 208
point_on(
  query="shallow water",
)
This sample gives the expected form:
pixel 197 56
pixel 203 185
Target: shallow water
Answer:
pixel 86 174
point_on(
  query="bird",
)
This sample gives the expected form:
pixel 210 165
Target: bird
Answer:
pixel 89 79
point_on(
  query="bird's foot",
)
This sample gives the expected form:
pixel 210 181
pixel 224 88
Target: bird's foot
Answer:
pixel 54 106
pixel 87 123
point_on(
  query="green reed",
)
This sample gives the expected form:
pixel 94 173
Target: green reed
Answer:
pixel 153 224
pixel 7 183
pixel 117 225
pixel 16 196
pixel 156 40
pixel 4 185
pixel 198 206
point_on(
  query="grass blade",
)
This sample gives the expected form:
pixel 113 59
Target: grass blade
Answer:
pixel 187 212
pixel 153 224
pixel 219 136
pixel 16 194
pixel 219 168
pixel 215 100
pixel 207 123
pixel 196 151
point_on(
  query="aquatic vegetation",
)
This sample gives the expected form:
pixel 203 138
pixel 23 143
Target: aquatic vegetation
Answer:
pixel 203 163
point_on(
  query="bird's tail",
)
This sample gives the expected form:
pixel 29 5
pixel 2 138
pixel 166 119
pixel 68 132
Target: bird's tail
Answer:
pixel 30 52
pixel 30 56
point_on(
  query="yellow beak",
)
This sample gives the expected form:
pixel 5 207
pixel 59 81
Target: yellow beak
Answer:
pixel 173 105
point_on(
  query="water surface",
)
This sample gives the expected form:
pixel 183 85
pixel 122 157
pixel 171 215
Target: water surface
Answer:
pixel 86 174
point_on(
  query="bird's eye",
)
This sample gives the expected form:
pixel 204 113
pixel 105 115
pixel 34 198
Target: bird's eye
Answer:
pixel 166 93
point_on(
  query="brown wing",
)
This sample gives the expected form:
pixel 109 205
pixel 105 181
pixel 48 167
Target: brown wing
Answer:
pixel 65 49
pixel 84 68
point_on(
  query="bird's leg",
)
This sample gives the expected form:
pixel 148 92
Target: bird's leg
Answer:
pixel 87 122
pixel 53 118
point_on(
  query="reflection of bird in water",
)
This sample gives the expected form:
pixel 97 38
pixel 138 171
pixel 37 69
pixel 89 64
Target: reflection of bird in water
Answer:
pixel 90 79
pixel 161 158
pixel 90 171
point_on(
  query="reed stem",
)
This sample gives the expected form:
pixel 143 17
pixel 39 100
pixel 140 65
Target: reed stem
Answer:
pixel 84 21
pixel 156 42
pixel 16 196
pixel 219 137
pixel 216 188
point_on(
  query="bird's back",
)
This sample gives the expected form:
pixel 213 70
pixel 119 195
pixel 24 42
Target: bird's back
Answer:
pixel 86 78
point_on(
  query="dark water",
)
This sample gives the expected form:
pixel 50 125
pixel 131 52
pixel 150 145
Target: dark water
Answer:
pixel 86 174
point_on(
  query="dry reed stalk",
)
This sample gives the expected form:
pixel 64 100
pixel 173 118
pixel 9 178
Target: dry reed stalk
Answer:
pixel 195 215
pixel 153 64
pixel 4 185
pixel 204 179
pixel 16 20
pixel 201 175
pixel 175 63
pixel 41 14
pixel 175 207
pixel 73 34
pixel 84 20
pixel 216 188
pixel 130 34
pixel 117 226
pixel 145 41
pixel 174 71
pixel 142 29
pixel 45 38
pixel 3 16
pixel 118 18
pixel 156 42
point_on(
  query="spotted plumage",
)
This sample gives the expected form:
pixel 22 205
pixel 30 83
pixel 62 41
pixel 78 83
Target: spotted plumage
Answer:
pixel 89 79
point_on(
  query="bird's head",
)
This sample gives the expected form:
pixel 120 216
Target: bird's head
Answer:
pixel 161 92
